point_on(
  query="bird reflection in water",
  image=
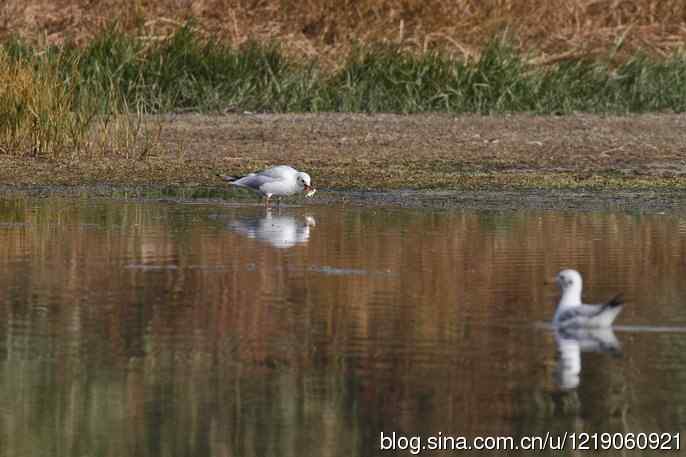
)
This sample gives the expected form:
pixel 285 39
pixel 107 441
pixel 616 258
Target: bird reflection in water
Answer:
pixel 281 231
pixel 571 342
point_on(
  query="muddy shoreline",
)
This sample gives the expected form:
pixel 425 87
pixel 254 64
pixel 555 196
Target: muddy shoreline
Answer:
pixel 643 201
pixel 585 162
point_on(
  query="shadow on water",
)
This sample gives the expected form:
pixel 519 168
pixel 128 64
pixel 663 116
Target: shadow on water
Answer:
pixel 143 328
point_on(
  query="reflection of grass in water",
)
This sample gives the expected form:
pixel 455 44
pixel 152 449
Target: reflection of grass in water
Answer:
pixel 177 357
pixel 498 222
pixel 195 192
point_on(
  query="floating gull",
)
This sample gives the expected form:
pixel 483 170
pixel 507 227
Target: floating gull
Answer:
pixel 280 181
pixel 279 231
pixel 572 313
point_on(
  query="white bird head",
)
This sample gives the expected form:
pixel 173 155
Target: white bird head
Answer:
pixel 570 284
pixel 304 180
pixel 567 279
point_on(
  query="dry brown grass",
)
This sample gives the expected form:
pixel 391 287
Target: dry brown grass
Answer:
pixel 39 118
pixel 36 116
pixel 549 30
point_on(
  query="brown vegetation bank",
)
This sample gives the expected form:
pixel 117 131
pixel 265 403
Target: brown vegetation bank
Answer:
pixel 547 30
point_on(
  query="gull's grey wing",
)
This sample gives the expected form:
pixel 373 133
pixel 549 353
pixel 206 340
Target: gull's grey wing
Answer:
pixel 253 180
pixel 582 311
pixel 278 172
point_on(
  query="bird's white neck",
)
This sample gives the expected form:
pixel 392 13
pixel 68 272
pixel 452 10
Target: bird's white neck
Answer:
pixel 571 296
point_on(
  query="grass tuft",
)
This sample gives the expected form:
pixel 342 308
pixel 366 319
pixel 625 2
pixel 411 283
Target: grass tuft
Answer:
pixel 40 112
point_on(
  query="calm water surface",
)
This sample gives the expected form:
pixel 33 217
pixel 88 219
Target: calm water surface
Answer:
pixel 202 328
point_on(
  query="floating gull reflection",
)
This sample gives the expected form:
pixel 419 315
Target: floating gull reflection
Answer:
pixel 279 231
pixel 571 342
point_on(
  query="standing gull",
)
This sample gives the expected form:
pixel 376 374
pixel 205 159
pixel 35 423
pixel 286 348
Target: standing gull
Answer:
pixel 279 181
pixel 572 313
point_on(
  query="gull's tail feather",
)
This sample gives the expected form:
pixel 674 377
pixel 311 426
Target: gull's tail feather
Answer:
pixel 227 177
pixel 617 300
